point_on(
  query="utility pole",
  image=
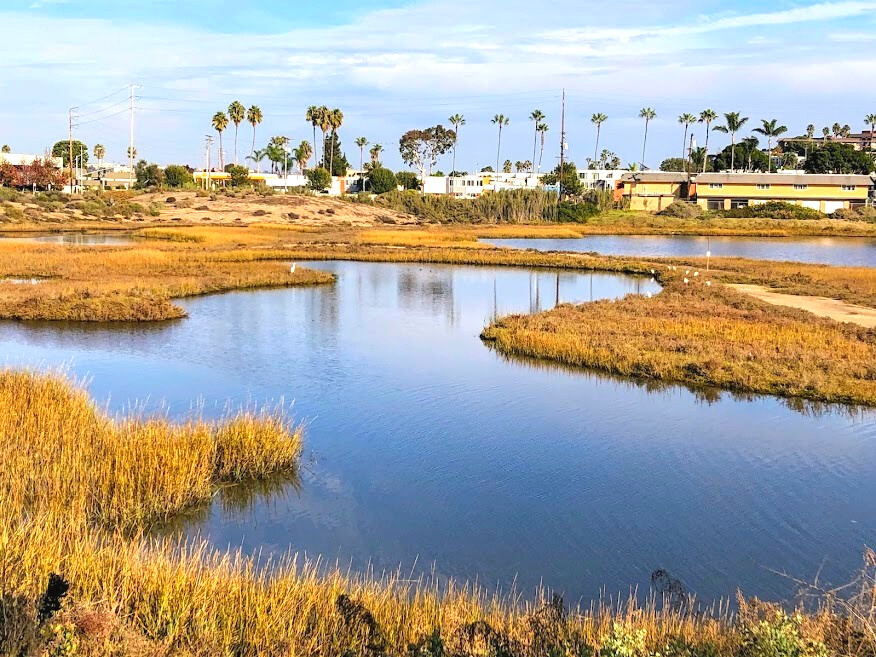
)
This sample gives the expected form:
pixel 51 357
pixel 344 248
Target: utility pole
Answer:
pixel 562 146
pixel 131 146
pixel 70 155
pixel 209 142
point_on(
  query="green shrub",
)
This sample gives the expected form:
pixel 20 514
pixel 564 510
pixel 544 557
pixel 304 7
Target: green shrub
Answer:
pixel 681 210
pixel 857 214
pixel 319 179
pixel 777 635
pixel 176 175
pixel 408 179
pixel 239 175
pixel 774 210
pixel 382 180
pixel 625 641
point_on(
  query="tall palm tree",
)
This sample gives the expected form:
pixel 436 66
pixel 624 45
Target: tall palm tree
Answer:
pixel 336 120
pixel 537 116
pixel 325 124
pixel 648 114
pixel 597 120
pixel 132 152
pixel 254 117
pixel 687 120
pixel 733 124
pixel 220 122
pixel 237 113
pixel 770 129
pixel 375 152
pixel 707 116
pixel 507 166
pixel 313 117
pixel 456 121
pixel 302 154
pixel 362 142
pixel 825 132
pixel 846 131
pixel 542 128
pixel 501 120
pixel 836 129
pixel 99 153
pixel 870 120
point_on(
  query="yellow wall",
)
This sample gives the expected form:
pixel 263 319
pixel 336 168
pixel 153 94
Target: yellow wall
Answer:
pixel 783 192
pixel 651 196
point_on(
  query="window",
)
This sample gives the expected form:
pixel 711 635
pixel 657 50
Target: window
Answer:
pixel 716 185
pixel 848 188
pixel 609 176
pixel 715 204
pixel 801 187
pixel 763 186
pixel 738 203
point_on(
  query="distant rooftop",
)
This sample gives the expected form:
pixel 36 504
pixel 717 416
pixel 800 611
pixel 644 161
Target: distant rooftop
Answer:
pixel 783 179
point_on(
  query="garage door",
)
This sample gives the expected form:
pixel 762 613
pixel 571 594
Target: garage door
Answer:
pixel 832 206
pixel 812 205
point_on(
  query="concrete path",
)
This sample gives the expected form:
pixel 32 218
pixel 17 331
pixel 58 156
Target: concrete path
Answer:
pixel 832 308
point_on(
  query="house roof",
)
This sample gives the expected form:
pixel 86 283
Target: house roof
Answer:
pixel 783 179
pixel 655 177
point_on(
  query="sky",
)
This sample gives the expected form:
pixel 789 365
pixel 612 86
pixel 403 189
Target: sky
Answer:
pixel 395 65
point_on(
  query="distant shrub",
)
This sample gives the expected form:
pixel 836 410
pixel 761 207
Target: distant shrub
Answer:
pixel 177 176
pixel 330 211
pixel 170 199
pixel 681 210
pixel 774 210
pixel 857 214
pixel 319 179
pixel 382 180
pixel 408 179
pixel 154 210
pixel 202 208
pixel 260 213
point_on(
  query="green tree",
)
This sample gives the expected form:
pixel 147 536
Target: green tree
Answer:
pixel 336 120
pixel 99 153
pixel 770 129
pixel 361 142
pixel 239 175
pixel 220 122
pixel 319 179
pixel 408 179
pixel 177 176
pixel 649 115
pixel 302 154
pixel 456 121
pixel 336 158
pixel 707 116
pixel 422 148
pixel 382 180
pixel 687 120
pixel 237 113
pixel 62 149
pixel 542 130
pixel 257 156
pixel 698 158
pixel 672 164
pixel 746 151
pixel 597 120
pixel 836 157
pixel 537 116
pixel 569 183
pixel 254 117
pixel 733 123
pixel 148 175
pixel 501 120
pixel 375 152
pixel 325 123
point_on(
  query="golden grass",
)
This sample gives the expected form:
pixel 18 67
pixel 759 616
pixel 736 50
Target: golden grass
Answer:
pixel 703 335
pixel 420 238
pixel 71 479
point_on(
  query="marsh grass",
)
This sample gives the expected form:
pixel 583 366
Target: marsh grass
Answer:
pixel 707 336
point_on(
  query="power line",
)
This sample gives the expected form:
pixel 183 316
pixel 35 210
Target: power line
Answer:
pixel 92 102
pixel 102 118
pixel 103 109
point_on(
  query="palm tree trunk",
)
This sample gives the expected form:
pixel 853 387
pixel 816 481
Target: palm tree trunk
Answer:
pixel 596 148
pixel 253 145
pixel 498 151
pixel 236 128
pixel 732 152
pixel 314 144
pixel 332 155
pixel 684 149
pixel 534 146
pixel 706 154
pixel 769 154
pixel 454 157
pixel 221 153
pixel 541 152
pixel 644 145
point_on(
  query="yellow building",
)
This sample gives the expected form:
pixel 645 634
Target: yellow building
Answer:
pixel 826 193
pixel 651 191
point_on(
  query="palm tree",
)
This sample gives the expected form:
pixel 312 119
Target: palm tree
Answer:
pixel 501 120
pixel 836 129
pixel 325 123
pixel 254 117
pixel 5 149
pixel 687 120
pixel 237 113
pixel 825 132
pixel 733 124
pixel 336 119
pixel 257 157
pixel 870 120
pixel 302 154
pixel 456 121
pixel 132 152
pixel 361 142
pixel 313 117
pixel 707 116
pixel 99 153
pixel 648 114
pixel 597 120
pixel 375 152
pixel 846 131
pixel 770 129
pixel 537 116
pixel 542 129
pixel 507 166
pixel 220 122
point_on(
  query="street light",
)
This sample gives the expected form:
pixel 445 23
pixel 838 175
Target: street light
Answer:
pixel 286 151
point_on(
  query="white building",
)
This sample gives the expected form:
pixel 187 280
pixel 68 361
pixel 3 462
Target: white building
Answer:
pixel 600 178
pixel 473 185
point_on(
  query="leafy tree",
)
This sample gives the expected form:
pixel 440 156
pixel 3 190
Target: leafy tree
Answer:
pixel 336 159
pixel 239 175
pixel 707 116
pixel 456 121
pixel 672 164
pixel 488 169
pixel 733 124
pixel 40 173
pixel 770 129
pixel 408 179
pixel 835 157
pixel 220 122
pixel 649 115
pixel 5 149
pixel 176 175
pixel 422 148
pixel 382 180
pixel 597 120
pixel 237 113
pixel 698 158
pixel 257 157
pixel 8 174
pixel 277 154
pixel 570 185
pixel 746 151
pixel 148 175
pixel 537 116
pixel 62 149
pixel 319 179
pixel 500 120
pixel 254 117
pixel 361 142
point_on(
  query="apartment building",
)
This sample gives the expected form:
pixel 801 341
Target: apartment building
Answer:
pixel 473 185
pixel 600 179
pixel 651 191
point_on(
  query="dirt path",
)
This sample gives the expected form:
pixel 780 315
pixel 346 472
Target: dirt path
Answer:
pixel 838 310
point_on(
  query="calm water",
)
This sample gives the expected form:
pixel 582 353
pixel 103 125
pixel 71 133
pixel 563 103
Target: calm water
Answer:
pixel 850 251
pixel 424 446
pixel 74 239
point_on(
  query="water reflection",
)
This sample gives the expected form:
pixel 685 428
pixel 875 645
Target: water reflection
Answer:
pixel 73 239
pixel 848 251
pixel 423 446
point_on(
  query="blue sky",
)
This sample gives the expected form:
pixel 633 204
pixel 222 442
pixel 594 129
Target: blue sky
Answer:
pixel 392 65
